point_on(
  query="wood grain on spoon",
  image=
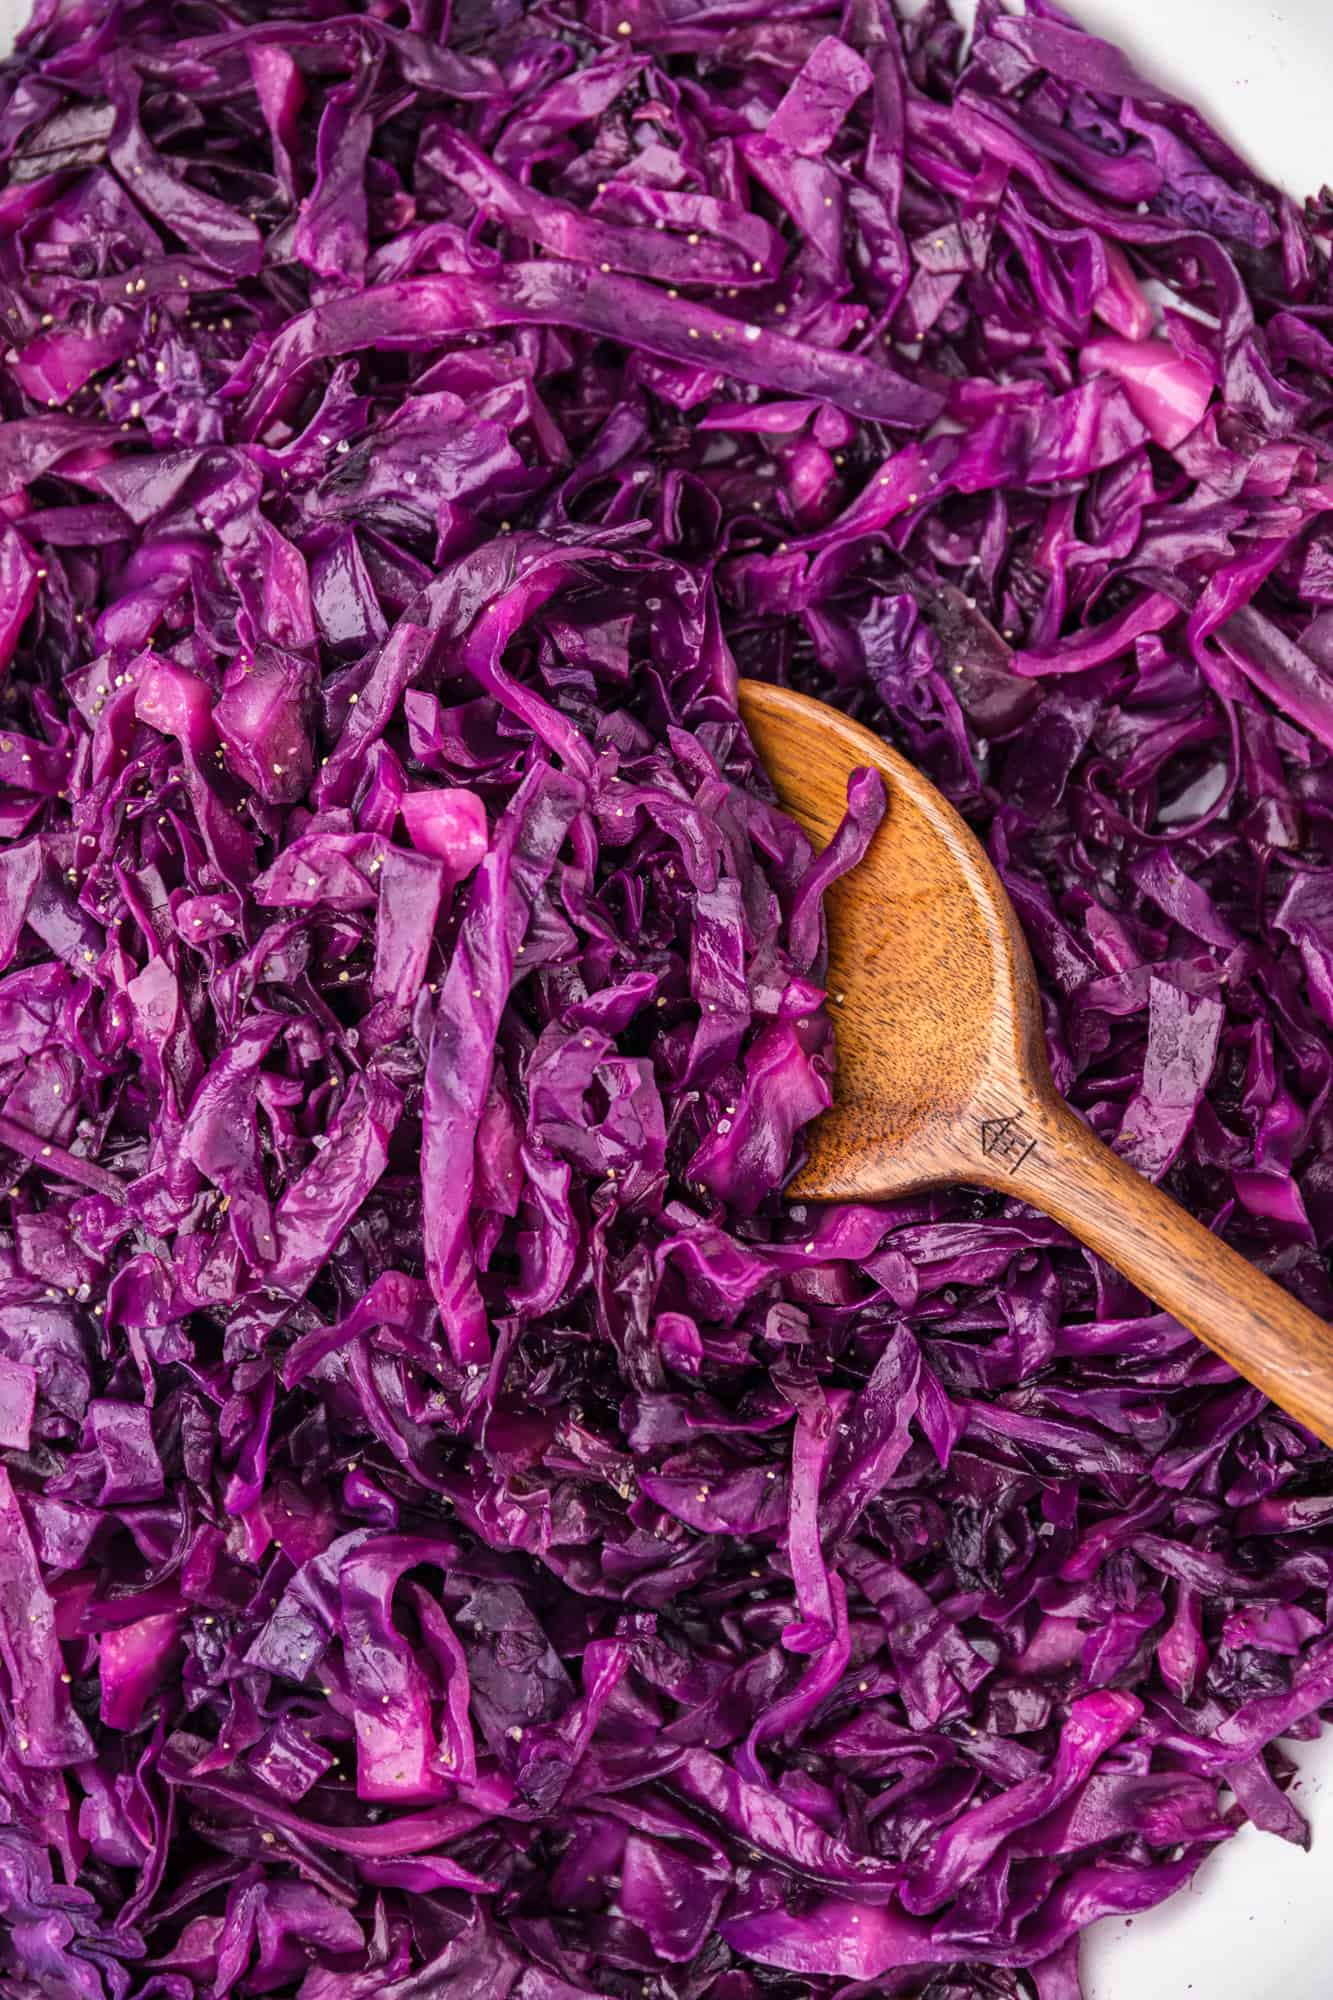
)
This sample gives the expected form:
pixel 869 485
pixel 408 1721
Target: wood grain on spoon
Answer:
pixel 942 1073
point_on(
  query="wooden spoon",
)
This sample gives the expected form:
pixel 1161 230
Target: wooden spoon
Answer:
pixel 942 1073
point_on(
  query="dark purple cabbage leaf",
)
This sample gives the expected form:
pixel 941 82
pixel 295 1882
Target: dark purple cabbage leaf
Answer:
pixel 461 1535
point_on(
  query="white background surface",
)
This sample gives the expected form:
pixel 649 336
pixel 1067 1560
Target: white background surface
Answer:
pixel 1257 1923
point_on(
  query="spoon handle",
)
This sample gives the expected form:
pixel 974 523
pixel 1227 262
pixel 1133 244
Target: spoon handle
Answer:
pixel 1062 1168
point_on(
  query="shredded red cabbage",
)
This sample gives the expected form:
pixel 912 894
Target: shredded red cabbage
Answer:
pixel 461 1534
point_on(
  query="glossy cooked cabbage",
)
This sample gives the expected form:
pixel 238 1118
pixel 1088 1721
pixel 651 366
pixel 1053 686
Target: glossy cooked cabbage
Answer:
pixel 462 1535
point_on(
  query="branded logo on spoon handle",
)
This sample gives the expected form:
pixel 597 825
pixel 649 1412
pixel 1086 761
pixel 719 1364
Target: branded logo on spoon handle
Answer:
pixel 1007 1139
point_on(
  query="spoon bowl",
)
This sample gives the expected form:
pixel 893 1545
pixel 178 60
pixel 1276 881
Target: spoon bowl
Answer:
pixel 934 994
pixel 942 1073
